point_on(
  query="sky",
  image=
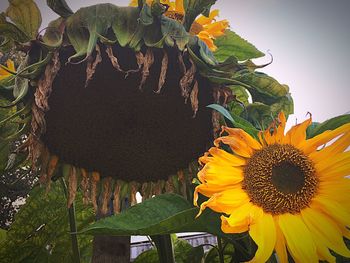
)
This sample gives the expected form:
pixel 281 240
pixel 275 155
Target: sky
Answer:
pixel 309 41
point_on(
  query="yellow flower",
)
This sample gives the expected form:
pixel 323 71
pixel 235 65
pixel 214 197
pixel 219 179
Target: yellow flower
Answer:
pixel 206 28
pixel 286 191
pixel 10 66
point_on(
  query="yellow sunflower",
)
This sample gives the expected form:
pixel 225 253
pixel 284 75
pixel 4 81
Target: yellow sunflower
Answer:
pixel 206 28
pixel 286 191
pixel 10 66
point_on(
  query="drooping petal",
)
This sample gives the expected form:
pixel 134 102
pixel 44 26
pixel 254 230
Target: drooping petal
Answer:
pixel 216 29
pixel 241 218
pixel 298 238
pixel 236 145
pixel 226 201
pixel 325 231
pixel 216 174
pixel 240 134
pixel 263 232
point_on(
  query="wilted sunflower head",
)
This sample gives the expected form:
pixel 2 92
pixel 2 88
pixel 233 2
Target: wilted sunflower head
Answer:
pixel 290 194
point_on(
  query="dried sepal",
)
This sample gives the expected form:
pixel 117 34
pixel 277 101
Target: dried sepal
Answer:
pixel 116 197
pixel 169 185
pixel 194 98
pixel 44 87
pixel 147 63
pixel 91 65
pixel 114 59
pixel 187 80
pixel 222 95
pixel 106 194
pixel 158 187
pixel 134 187
pixel 163 71
pixel 95 178
pixel 72 185
pixel 85 186
pixel 181 62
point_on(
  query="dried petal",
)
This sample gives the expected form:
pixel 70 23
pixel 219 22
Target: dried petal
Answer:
pixel 106 194
pixel 194 98
pixel 147 63
pixel 72 186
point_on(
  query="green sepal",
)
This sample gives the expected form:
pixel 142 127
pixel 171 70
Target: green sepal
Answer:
pixel 174 33
pixel 193 8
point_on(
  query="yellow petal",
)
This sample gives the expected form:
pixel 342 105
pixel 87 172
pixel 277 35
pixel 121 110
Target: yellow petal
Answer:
pixel 236 145
pixel 216 29
pixel 179 6
pixel 240 134
pixel 312 144
pixel 203 20
pixel 298 238
pixel 226 201
pixel 263 232
pixel 297 134
pixel 324 231
pixel 216 174
pixel 331 162
pixel 333 209
pixel 280 129
pixel 241 218
pixel 226 157
pixel 337 190
pixel 280 246
pixel 205 37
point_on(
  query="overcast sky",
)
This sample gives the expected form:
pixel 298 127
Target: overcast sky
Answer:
pixel 309 40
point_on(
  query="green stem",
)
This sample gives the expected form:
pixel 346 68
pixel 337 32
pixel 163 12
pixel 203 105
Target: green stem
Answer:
pixel 72 225
pixel 220 250
pixel 164 248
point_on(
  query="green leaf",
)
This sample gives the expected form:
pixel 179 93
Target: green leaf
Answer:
pixel 10 32
pixel 164 248
pixel 40 232
pixel 221 110
pixel 60 7
pixel 26 15
pixel 3 234
pixel 149 256
pixel 231 44
pixel 193 8
pixel 331 124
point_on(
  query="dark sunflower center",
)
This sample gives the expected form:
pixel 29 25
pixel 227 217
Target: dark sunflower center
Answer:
pixel 280 179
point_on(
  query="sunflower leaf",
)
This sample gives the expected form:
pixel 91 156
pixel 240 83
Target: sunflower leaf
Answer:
pixel 10 32
pixel 163 214
pixel 193 8
pixel 221 110
pixel 60 7
pixel 26 15
pixel 231 44
pixel 40 232
pixel 331 124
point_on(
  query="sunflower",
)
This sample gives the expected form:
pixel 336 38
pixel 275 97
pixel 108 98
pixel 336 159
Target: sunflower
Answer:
pixel 5 71
pixel 206 28
pixel 289 192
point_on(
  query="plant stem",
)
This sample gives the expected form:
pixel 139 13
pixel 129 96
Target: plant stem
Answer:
pixel 220 250
pixel 164 248
pixel 72 225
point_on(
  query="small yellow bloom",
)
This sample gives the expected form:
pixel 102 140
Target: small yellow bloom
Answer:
pixel 206 28
pixel 286 191
pixel 10 66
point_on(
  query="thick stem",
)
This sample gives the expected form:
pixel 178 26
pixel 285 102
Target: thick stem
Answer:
pixel 72 225
pixel 164 248
pixel 110 249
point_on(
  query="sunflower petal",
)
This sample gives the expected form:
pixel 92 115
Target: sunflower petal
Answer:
pixel 203 20
pixel 298 238
pixel 280 246
pixel 263 232
pixel 324 231
pixel 297 134
pixel 236 145
pixel 280 129
pixel 226 157
pixel 312 144
pixel 240 134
